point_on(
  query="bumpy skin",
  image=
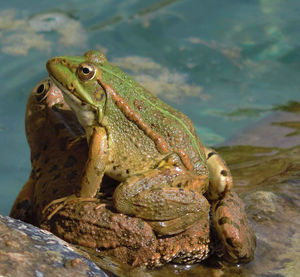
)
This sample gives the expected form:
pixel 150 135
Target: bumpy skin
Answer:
pixel 137 139
pixel 54 135
pixel 58 151
pixel 237 240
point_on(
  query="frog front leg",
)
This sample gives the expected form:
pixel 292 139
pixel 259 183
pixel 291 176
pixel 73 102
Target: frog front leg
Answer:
pixel 95 165
pixel 92 174
pixel 220 179
pixel 164 198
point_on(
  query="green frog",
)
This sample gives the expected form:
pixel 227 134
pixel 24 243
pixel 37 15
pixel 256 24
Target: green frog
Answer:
pixel 137 139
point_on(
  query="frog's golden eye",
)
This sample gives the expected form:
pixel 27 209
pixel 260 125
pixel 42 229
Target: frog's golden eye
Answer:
pixel 42 90
pixel 86 71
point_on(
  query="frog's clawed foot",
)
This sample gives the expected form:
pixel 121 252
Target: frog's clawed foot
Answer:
pixel 62 203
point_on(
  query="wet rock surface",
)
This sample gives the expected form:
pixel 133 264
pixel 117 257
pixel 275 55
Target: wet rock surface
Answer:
pixel 28 251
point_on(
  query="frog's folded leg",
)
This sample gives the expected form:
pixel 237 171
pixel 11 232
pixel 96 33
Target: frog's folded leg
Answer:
pixel 164 198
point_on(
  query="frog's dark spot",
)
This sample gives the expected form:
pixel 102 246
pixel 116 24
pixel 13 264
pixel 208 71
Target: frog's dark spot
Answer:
pixel 24 205
pixel 99 94
pixel 127 171
pixel 37 156
pixel 138 104
pixel 98 173
pixel 71 161
pixel 235 225
pixel 245 258
pixel 224 220
pixel 179 185
pixel 229 241
pixel 63 144
pixel 38 175
pixel 220 204
pixel 53 168
pixel 56 176
pixel 112 162
pixel 38 170
pixel 72 175
pixel 58 127
pixel 45 147
pixel 233 201
pixel 210 154
pixel 54 191
pixel 224 172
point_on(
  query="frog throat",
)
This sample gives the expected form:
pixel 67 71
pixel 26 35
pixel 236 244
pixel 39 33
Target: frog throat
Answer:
pixel 88 114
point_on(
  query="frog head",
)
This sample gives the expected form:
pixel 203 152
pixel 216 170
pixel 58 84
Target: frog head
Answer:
pixel 78 78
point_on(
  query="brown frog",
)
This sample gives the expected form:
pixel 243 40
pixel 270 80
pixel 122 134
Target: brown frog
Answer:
pixel 57 148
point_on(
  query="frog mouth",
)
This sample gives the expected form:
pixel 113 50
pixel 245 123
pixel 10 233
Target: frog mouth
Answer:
pixel 66 93
pixel 85 112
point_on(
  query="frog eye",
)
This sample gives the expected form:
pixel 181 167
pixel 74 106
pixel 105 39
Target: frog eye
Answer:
pixel 42 90
pixel 86 71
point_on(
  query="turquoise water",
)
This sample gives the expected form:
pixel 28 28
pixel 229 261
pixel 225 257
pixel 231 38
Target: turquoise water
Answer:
pixel 226 64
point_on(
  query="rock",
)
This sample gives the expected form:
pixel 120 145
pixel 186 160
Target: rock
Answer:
pixel 272 131
pixel 26 250
pixel 263 205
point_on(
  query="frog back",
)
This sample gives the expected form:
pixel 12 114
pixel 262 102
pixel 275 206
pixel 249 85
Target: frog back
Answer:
pixel 149 124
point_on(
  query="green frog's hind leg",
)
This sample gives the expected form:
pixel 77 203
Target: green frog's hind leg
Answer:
pixel 164 198
pixel 220 179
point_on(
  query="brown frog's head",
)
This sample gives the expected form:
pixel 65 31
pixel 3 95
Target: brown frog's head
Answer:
pixel 42 102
